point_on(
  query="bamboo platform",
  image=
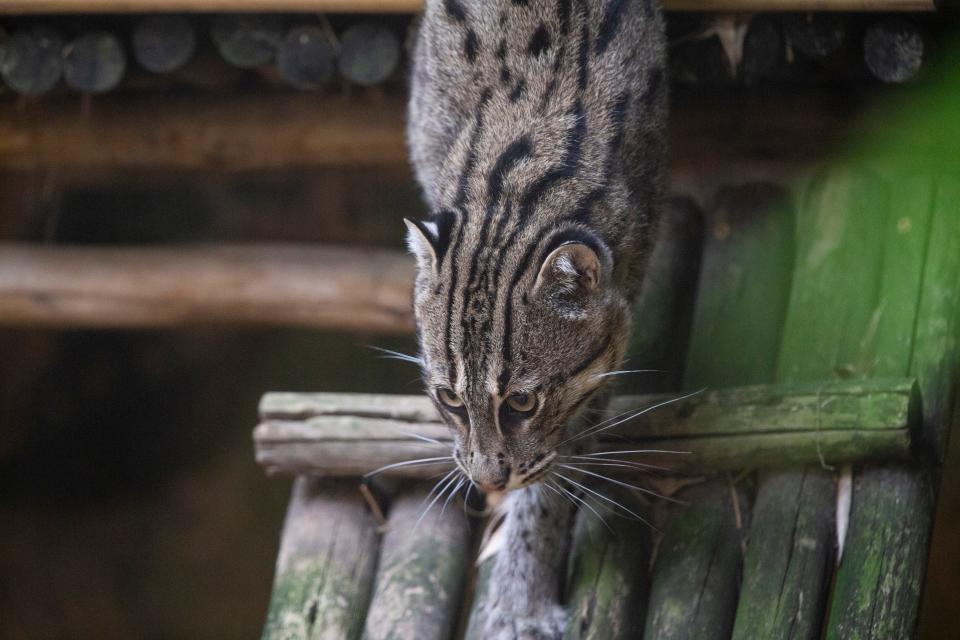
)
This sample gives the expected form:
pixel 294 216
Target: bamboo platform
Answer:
pixel 413 6
pixel 757 550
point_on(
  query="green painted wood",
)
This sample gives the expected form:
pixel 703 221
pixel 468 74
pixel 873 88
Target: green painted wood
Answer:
pixel 609 576
pixel 693 593
pixel 326 564
pixel 791 544
pixel 744 287
pixel 664 308
pixel 936 354
pixel 877 591
pixel 734 339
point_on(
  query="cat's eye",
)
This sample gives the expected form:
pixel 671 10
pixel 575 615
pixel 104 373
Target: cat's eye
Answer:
pixel 522 402
pixel 449 398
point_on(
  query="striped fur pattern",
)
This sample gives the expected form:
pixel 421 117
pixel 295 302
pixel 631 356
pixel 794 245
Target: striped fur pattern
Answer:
pixel 536 130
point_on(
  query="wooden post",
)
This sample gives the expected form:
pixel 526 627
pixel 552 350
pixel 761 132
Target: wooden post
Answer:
pixel 305 58
pixel 326 565
pixel 32 61
pixel 424 563
pixel 164 43
pixel 369 53
pixel 94 63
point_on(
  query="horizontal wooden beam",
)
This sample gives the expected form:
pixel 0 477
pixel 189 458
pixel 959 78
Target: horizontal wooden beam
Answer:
pixel 413 6
pixel 236 132
pixel 339 434
pixel 317 287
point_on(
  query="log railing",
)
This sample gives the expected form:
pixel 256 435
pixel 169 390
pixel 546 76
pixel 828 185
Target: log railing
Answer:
pixel 316 287
pixel 351 434
pixel 413 6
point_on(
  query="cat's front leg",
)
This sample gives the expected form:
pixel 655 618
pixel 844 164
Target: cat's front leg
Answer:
pixel 523 598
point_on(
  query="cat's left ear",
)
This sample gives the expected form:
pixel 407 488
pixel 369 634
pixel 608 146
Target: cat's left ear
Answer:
pixel 573 270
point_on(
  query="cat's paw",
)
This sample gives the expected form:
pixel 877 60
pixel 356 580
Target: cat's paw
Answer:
pixel 547 624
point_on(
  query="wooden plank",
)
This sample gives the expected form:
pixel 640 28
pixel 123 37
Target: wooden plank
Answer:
pixel 744 288
pixel 413 6
pixel 423 566
pixel 318 287
pixel 326 565
pixel 694 588
pixel 608 575
pixel 790 548
pixel 350 434
pixel 203 132
pixel 877 592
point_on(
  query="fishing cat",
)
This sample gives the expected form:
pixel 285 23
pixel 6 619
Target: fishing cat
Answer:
pixel 536 130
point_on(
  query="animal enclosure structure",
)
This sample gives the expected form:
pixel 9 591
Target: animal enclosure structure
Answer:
pixel 813 304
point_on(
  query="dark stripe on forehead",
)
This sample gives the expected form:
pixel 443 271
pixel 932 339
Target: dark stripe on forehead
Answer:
pixel 458 203
pixel 612 17
pixel 584 364
pixel 567 167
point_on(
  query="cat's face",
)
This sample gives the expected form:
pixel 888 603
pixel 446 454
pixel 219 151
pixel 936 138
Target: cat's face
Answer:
pixel 512 360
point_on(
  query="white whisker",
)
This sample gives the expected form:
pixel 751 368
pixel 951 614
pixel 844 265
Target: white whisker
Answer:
pixel 408 463
pixel 452 493
pixel 636 414
pixel 607 462
pixel 606 499
pixel 622 484
pixel 434 501
pixel 396 355
pixel 625 372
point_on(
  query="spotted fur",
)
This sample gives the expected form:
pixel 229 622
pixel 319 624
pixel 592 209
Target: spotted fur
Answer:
pixel 536 129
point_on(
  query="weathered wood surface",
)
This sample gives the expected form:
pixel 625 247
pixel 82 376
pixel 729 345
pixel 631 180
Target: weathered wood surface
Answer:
pixel 878 585
pixel 608 577
pixel 787 564
pixel 351 434
pixel 204 132
pixel 413 6
pixel 694 587
pixel 325 570
pixel 319 287
pixel 423 567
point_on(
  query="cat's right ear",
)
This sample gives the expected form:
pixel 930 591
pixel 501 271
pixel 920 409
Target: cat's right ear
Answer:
pixel 427 240
pixel 422 241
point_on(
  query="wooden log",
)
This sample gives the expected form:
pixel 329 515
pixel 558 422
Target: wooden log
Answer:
pixel 664 308
pixel 694 591
pixel 247 41
pixel 422 571
pixel 194 132
pixel 608 575
pixel 815 35
pixel 305 58
pixel 767 425
pixel 369 53
pixel 788 560
pixel 164 43
pixel 893 50
pixel 325 569
pixel 747 226
pixel 94 63
pixel 413 6
pixel 354 289
pixel 33 61
pixel 878 585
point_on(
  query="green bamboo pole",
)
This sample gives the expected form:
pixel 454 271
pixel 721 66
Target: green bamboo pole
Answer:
pixel 421 573
pixel 741 300
pixel 608 579
pixel 694 590
pixel 326 564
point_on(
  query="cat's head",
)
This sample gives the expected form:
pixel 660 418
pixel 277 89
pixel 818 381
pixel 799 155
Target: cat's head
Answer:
pixel 514 341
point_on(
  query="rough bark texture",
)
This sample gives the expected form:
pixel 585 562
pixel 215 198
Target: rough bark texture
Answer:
pixel 326 565
pixel 694 588
pixel 609 576
pixel 422 569
pixel 789 557
pixel 352 434
pixel 330 288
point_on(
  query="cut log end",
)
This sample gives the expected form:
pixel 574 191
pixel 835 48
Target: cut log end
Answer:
pixel 164 43
pixel 369 53
pixel 247 41
pixel 893 50
pixel 32 62
pixel 94 63
pixel 305 58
